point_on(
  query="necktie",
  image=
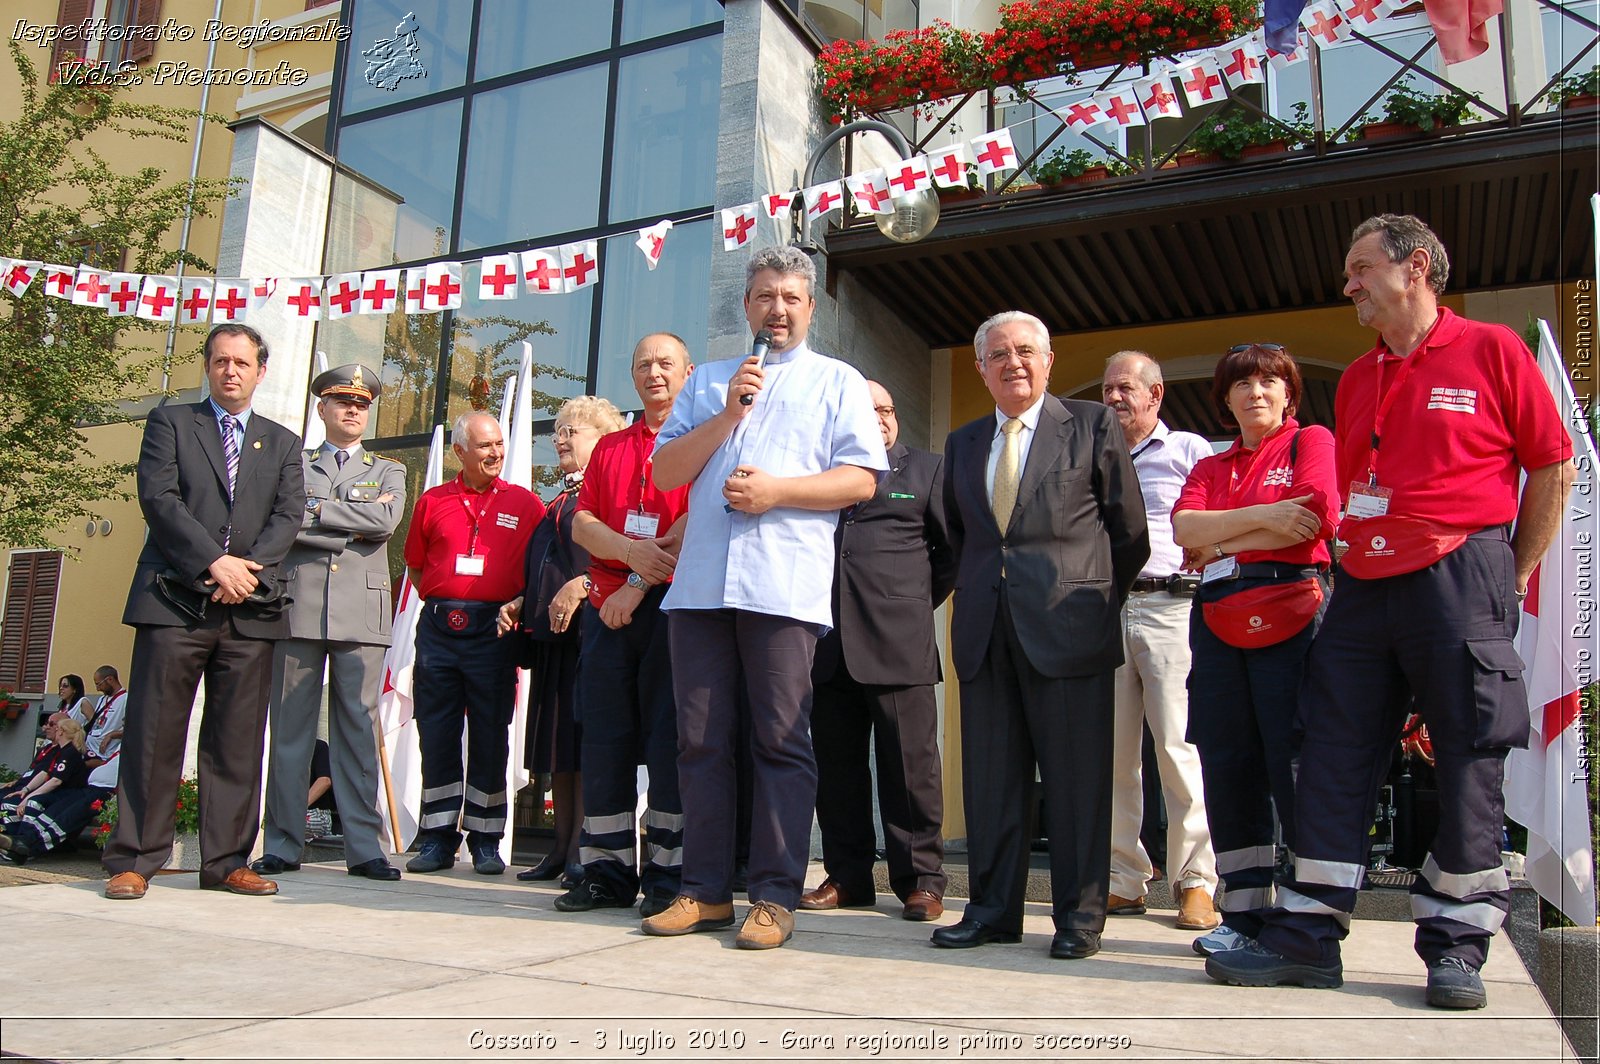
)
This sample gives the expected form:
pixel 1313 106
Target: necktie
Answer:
pixel 230 451
pixel 1005 474
pixel 339 458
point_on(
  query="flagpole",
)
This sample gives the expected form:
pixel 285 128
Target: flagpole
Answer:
pixel 388 792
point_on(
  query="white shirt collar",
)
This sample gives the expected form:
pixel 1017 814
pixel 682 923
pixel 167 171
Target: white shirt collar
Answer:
pixel 1029 417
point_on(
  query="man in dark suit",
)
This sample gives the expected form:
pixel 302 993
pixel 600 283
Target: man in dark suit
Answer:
pixel 222 491
pixel 874 675
pixel 1048 525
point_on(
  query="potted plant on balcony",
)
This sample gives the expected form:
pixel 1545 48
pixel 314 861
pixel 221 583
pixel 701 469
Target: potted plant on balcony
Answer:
pixel 1408 110
pixel 11 707
pixel 972 188
pixel 1075 167
pixel 1578 90
pixel 1240 133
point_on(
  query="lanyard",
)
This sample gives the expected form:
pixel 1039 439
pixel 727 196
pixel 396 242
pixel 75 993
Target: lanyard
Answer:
pixel 648 440
pixel 1143 447
pixel 1386 403
pixel 477 518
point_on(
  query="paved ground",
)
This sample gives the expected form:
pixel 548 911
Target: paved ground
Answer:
pixel 456 966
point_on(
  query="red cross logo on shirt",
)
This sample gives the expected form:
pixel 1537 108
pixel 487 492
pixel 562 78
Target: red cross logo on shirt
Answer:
pixel 195 304
pixel 1086 113
pixel 544 275
pixel 907 178
pixel 826 201
pixel 1201 83
pixel 379 294
pixel 740 232
pixel 1324 27
pixel 302 301
pixel 227 305
pixel 345 298
pixel 1119 110
pixel 62 279
pixel 124 295
pixel 995 154
pixel 91 287
pixel 158 301
pixel 442 289
pixel 578 272
pixel 500 279
pixel 1244 66
pixel 949 168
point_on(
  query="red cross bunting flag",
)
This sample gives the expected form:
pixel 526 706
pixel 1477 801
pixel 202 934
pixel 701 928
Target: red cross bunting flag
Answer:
pixel 652 238
pixel 580 264
pixel 498 277
pixel 1279 60
pixel 304 296
pixel 380 292
pixel 229 297
pixel 441 286
pixel 870 190
pixel 909 176
pixel 1324 23
pixel 58 280
pixel 1201 81
pixel 20 274
pixel 1366 14
pixel 416 278
pixel 1121 107
pixel 341 295
pixel 92 288
pixel 994 152
pixel 1084 114
pixel 122 294
pixel 737 225
pixel 158 299
pixel 823 199
pixel 541 271
pixel 262 289
pixel 1157 98
pixel 779 203
pixel 949 166
pixel 1240 62
pixel 194 301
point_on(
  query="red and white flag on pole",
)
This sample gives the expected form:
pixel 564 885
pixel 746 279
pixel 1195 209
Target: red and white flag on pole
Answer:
pixel 994 152
pixel 1201 81
pixel 122 296
pixel 343 295
pixel 416 283
pixel 20 274
pixel 92 288
pixel 304 297
pixel 441 286
pixel 380 291
pixel 1241 62
pixel 949 166
pixel 1547 785
pixel 194 305
pixel 580 264
pixel 652 238
pixel 1121 107
pixel 519 470
pixel 779 204
pixel 229 298
pixel 737 225
pixel 58 280
pixel 158 301
pixel 497 277
pixel 1157 98
pixel 908 176
pixel 870 191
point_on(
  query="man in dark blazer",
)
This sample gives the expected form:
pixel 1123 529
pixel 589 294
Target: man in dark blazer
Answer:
pixel 1048 525
pixel 873 678
pixel 222 490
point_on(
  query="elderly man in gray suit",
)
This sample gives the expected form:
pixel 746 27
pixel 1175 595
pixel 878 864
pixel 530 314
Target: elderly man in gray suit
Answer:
pixel 338 575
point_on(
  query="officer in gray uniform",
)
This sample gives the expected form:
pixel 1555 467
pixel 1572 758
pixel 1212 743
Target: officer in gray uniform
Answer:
pixel 337 574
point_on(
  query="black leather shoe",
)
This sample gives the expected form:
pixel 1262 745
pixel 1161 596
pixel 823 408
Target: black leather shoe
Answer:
pixel 591 894
pixel 969 933
pixel 545 870
pixel 486 858
pixel 1074 945
pixel 272 865
pixel 433 857
pixel 377 868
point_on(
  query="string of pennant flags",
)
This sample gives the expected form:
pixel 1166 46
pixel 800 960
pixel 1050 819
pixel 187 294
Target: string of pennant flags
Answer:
pixel 439 286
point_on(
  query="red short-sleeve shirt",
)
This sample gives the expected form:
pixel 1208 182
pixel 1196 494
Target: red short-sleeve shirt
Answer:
pixel 452 520
pixel 618 482
pixel 1237 478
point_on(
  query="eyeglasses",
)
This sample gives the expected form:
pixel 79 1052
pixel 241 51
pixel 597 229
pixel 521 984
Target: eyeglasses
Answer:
pixel 1248 347
pixel 883 411
pixel 566 432
pixel 1022 354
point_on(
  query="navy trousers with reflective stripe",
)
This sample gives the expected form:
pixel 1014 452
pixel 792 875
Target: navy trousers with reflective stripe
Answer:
pixel 1441 636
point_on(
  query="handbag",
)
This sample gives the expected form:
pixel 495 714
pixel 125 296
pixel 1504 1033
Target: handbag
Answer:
pixel 191 600
pixel 1394 544
pixel 1261 616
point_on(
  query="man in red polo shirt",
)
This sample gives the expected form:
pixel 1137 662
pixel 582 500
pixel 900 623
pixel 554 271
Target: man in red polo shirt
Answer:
pixel 1436 426
pixel 632 530
pixel 464 555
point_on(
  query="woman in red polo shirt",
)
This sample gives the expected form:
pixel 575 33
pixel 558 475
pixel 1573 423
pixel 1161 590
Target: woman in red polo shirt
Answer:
pixel 1256 520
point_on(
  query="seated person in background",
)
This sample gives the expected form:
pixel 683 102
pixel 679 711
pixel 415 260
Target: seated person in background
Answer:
pixel 58 816
pixel 104 726
pixel 41 757
pixel 74 702
pixel 63 768
pixel 319 797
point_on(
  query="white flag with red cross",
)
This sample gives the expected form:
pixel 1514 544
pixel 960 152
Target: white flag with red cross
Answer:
pixel 304 296
pixel 58 280
pixel 909 176
pixel 122 294
pixel 541 271
pixel 949 166
pixel 823 199
pixel 20 274
pixel 441 286
pixel 194 303
pixel 230 297
pixel 1121 107
pixel 92 288
pixel 158 299
pixel 870 191
pixel 1325 23
pixel 737 225
pixel 497 277
pixel 343 295
pixel 262 289
pixel 1364 15
pixel 580 264
pixel 1201 81
pixel 1157 98
pixel 652 238
pixel 1084 114
pixel 1241 62
pixel 1279 60
pixel 779 204
pixel 416 283
pixel 380 292
pixel 994 152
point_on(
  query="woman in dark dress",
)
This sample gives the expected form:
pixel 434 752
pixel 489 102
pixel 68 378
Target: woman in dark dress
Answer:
pixel 556 593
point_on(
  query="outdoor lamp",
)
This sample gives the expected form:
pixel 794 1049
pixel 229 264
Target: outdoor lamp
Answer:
pixel 915 214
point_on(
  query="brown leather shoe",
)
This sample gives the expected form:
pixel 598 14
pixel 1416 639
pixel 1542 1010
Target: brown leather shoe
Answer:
pixel 243 881
pixel 1120 906
pixel 830 895
pixel 922 905
pixel 126 886
pixel 767 926
pixel 1196 911
pixel 685 915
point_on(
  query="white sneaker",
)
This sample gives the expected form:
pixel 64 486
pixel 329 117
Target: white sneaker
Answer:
pixel 1223 940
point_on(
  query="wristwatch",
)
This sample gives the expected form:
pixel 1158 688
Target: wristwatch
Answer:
pixel 637 582
pixel 314 506
pixel 1217 549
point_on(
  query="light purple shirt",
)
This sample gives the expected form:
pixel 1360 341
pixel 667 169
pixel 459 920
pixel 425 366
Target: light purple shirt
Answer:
pixel 1163 460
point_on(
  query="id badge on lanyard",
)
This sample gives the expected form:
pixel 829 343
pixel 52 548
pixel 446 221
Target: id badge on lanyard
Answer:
pixel 472 562
pixel 639 524
pixel 1371 499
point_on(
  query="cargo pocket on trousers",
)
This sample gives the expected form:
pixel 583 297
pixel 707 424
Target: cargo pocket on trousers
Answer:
pixel 1499 696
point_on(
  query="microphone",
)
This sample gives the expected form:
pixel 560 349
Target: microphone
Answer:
pixel 763 345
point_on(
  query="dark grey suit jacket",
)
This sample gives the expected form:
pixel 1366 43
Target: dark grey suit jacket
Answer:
pixel 183 491
pixel 1076 542
pixel 893 565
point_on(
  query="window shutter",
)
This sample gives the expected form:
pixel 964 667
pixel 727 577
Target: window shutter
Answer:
pixel 70 13
pixel 147 15
pixel 28 621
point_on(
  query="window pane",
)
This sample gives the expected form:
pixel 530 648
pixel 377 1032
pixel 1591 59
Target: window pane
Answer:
pixel 410 353
pixel 1352 71
pixel 379 51
pixel 837 20
pixel 522 34
pixel 533 159
pixel 642 19
pixel 672 298
pixel 886 15
pixel 665 146
pixel 484 350
pixel 384 151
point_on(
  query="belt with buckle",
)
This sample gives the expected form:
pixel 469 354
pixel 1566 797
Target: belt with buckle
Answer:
pixel 1176 584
